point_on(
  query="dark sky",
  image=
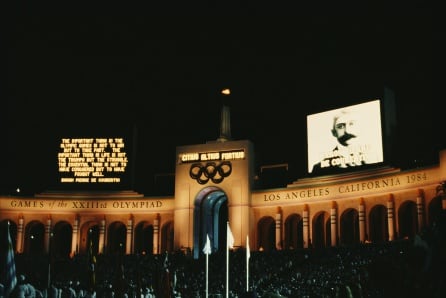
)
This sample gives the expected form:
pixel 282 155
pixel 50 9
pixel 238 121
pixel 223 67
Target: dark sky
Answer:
pixel 74 71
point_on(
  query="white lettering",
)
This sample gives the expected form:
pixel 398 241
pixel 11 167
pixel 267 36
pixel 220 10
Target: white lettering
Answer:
pixel 189 157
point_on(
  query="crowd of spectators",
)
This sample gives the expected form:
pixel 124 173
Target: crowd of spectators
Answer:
pixel 401 268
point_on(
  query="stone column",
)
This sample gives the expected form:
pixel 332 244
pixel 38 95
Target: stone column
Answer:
pixel 333 223
pixel 156 229
pixel 101 245
pixel 47 236
pixel 305 225
pixel 443 202
pixel 129 242
pixel 75 237
pixel 420 209
pixel 362 231
pixel 19 243
pixel 390 214
pixel 279 229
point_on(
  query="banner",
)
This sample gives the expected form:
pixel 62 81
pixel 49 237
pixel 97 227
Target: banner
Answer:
pixel 10 277
pixel 230 238
pixel 207 248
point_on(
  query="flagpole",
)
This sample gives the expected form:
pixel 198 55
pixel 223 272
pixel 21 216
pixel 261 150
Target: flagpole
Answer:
pixel 207 250
pixel 207 275
pixel 49 261
pixel 227 261
pixel 247 263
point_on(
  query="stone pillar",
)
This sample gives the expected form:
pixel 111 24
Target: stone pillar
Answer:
pixel 420 209
pixel 47 236
pixel 441 189
pixel 156 229
pixel 390 220
pixel 225 124
pixel 19 243
pixel 75 237
pixel 128 242
pixel 333 223
pixel 279 229
pixel 305 225
pixel 362 231
pixel 101 245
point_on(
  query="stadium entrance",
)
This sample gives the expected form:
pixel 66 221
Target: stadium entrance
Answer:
pixel 213 184
pixel 210 217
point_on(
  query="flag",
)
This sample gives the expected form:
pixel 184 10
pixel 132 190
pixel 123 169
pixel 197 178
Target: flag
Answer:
pixel 207 247
pixel 91 267
pixel 10 277
pixel 230 238
pixel 229 244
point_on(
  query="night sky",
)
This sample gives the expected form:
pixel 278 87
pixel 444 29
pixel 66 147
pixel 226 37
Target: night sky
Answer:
pixel 74 72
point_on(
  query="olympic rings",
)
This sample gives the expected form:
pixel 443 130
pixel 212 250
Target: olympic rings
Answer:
pixel 210 171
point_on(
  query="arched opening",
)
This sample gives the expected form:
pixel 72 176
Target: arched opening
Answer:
pixel 407 220
pixel 61 240
pixel 349 228
pixel 435 209
pixel 89 233
pixel 294 232
pixel 167 237
pixel 266 234
pixel 378 224
pixel 116 240
pixel 321 230
pixel 143 241
pixel 34 238
pixel 210 218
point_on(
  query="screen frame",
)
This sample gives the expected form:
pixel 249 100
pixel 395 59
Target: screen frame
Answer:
pixel 321 141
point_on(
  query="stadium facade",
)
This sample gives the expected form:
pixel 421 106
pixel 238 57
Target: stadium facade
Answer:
pixel 214 185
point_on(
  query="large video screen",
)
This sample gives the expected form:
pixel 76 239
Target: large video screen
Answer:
pixel 95 161
pixel 346 138
pixel 92 160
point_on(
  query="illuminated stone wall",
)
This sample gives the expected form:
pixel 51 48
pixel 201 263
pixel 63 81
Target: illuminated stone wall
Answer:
pixel 307 198
pixel 236 186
